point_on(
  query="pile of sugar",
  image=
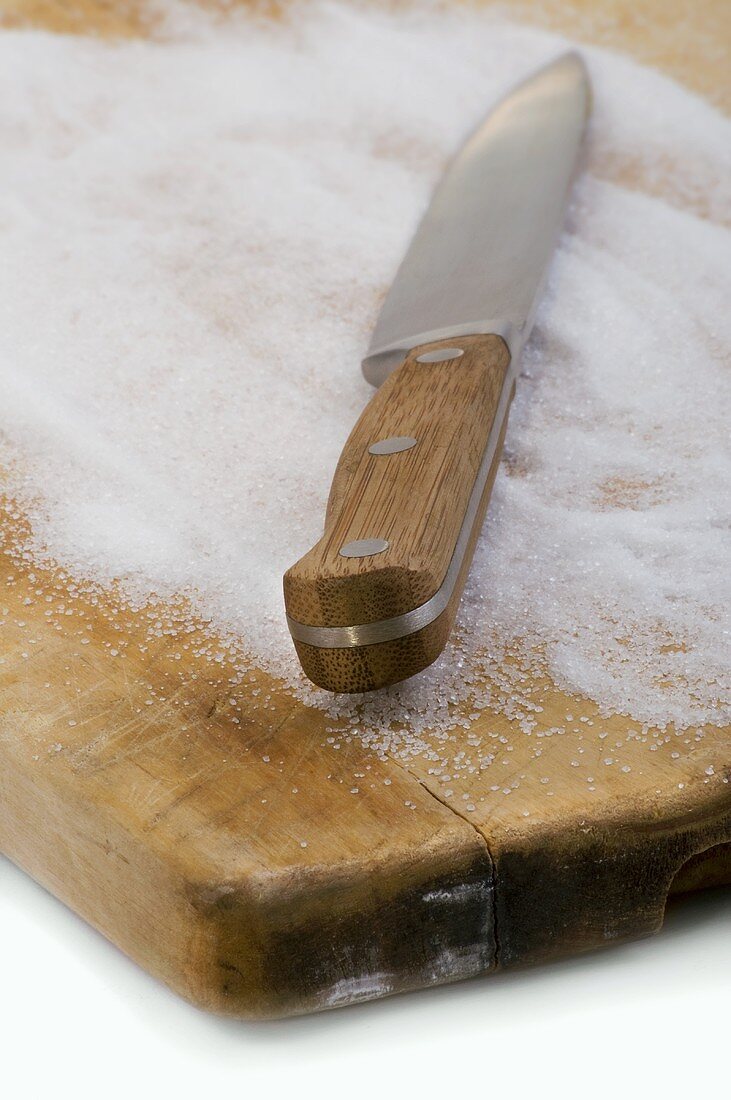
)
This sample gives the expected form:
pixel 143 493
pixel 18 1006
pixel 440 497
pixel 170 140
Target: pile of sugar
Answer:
pixel 197 232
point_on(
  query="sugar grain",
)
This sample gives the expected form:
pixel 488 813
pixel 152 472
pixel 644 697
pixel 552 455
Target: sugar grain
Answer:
pixel 197 232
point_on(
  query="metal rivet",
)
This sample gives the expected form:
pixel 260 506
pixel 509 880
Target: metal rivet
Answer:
pixel 362 548
pixel 440 356
pixel 392 445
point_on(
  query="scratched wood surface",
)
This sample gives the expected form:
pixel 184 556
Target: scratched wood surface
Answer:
pixel 224 840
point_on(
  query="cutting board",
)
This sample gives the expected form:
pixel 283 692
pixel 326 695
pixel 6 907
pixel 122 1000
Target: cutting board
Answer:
pixel 229 844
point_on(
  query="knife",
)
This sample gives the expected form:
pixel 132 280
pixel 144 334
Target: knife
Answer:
pixel 375 599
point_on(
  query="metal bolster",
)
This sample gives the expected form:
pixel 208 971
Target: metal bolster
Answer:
pixel 380 362
pixel 400 626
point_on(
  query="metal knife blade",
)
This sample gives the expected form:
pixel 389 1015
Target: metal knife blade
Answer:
pixel 479 256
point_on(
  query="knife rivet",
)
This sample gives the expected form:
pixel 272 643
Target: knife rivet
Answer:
pixel 392 445
pixel 440 356
pixel 363 548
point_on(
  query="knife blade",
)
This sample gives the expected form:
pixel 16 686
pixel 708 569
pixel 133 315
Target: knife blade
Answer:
pixel 374 601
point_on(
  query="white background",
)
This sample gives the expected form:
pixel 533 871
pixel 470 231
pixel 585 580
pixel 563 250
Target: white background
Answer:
pixel 651 1018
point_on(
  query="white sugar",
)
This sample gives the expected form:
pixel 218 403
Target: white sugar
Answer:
pixel 196 236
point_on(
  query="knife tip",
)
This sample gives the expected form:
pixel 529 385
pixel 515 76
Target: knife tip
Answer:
pixel 575 60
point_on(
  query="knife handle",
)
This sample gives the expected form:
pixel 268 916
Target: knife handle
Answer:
pixel 374 601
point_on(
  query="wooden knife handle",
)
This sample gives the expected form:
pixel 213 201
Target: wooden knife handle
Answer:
pixel 410 517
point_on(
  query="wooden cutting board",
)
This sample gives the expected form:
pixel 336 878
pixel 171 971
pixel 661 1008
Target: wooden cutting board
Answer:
pixel 220 839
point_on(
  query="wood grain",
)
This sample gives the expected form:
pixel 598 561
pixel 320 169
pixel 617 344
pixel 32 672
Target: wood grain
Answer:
pixel 415 500
pixel 168 803
pixel 211 832
pixel 228 843
pixel 388 662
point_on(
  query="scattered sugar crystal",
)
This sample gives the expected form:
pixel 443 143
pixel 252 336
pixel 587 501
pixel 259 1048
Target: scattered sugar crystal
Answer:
pixel 197 234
